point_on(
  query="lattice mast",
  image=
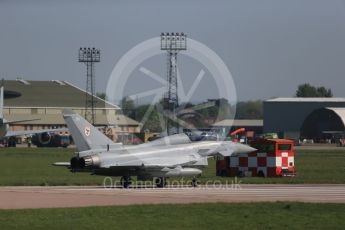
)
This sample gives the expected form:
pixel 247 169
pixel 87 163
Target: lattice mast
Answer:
pixel 89 56
pixel 172 43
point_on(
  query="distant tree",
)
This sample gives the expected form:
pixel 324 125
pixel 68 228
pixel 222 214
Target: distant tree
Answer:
pixel 249 110
pixel 152 121
pixel 307 90
pixel 323 92
pixel 128 107
pixel 101 95
pixel 220 110
pixel 187 105
pixel 224 109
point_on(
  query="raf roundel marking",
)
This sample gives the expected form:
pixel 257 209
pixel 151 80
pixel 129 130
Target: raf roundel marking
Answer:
pixel 87 131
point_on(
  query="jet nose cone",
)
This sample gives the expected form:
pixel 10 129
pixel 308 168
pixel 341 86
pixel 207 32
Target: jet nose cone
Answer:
pixel 241 148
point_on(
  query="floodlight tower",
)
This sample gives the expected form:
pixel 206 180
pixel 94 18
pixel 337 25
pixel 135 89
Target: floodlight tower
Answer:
pixel 172 43
pixel 89 57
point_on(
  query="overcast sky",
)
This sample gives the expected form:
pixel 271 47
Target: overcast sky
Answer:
pixel 269 46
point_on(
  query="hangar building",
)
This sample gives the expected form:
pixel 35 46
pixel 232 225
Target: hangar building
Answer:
pixel 310 118
pixel 45 100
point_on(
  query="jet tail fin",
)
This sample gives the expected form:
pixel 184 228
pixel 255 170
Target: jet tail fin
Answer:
pixel 85 136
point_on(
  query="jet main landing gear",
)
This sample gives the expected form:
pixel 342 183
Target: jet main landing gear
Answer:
pixel 194 182
pixel 126 181
pixel 161 182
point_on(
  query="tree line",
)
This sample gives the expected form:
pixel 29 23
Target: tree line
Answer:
pixel 219 110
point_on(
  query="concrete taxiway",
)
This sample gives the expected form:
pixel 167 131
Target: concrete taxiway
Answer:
pixel 77 196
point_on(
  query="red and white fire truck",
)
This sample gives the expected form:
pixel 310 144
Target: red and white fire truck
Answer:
pixel 274 157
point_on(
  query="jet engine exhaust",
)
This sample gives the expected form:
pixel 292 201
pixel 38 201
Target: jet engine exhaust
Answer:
pixel 44 138
pixel 85 162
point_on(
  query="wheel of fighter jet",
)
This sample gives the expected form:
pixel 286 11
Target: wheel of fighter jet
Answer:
pixel 194 182
pixel 125 181
pixel 261 174
pixel 161 182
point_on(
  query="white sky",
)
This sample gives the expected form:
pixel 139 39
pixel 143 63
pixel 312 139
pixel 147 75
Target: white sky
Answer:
pixel 270 46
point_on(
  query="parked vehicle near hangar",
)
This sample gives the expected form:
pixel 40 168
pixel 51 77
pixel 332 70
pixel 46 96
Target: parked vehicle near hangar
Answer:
pixel 54 140
pixel 9 136
pixel 274 157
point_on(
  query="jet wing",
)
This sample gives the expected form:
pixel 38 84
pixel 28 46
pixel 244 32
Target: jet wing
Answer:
pixel 226 149
pixel 215 150
pixel 29 132
pixel 19 121
pixel 226 153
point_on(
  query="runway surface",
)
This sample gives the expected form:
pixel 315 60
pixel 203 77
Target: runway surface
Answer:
pixel 78 196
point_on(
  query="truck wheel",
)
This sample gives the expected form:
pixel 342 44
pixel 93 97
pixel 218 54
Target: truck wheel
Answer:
pixel 224 173
pixel 240 174
pixel 161 182
pixel 261 174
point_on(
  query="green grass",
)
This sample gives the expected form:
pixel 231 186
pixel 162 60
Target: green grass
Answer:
pixel 22 166
pixel 193 216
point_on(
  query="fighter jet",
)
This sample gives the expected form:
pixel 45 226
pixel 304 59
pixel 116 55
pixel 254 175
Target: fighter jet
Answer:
pixel 4 125
pixel 170 156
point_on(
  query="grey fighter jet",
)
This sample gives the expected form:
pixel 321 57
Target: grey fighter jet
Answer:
pixel 170 156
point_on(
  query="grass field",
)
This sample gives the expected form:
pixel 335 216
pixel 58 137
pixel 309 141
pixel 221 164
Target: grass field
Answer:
pixel 194 216
pixel 22 166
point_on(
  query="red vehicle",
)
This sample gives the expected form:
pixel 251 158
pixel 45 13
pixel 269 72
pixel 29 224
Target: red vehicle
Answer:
pixel 274 157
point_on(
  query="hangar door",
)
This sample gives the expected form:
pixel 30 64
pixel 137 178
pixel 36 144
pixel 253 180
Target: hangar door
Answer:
pixel 322 122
